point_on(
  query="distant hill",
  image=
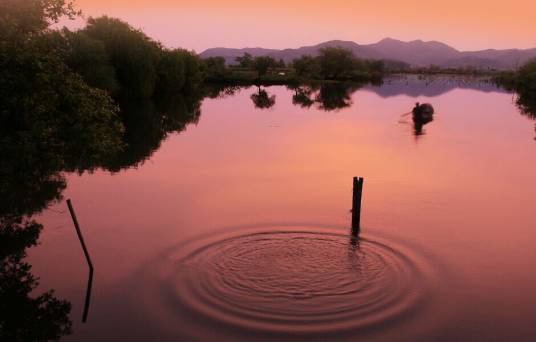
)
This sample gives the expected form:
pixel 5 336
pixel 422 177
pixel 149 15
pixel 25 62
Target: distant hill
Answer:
pixel 415 53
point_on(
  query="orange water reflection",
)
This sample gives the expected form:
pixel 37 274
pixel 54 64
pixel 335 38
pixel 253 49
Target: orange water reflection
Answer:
pixel 462 193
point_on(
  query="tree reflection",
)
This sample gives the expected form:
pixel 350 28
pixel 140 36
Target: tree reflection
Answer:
pixel 327 96
pixel 147 123
pixel 29 190
pixel 35 154
pixel 30 180
pixel 302 96
pixel 335 96
pixel 262 99
pixel 526 102
pixel 57 115
pixel 217 91
pixel 25 316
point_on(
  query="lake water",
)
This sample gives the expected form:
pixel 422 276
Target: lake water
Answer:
pixel 239 226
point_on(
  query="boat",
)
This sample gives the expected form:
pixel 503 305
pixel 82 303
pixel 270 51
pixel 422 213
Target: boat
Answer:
pixel 423 112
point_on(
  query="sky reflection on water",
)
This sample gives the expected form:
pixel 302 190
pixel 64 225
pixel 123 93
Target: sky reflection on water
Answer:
pixel 460 195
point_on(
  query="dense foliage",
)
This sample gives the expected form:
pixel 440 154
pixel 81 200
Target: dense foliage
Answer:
pixel 65 94
pixel 334 63
pixel 89 57
pixel 101 97
pixel 262 100
pixel 44 104
pixel 25 315
pixel 50 118
pixel 523 81
pixel 112 55
pixel 526 82
pixel 327 96
pixel 245 61
pixel 262 64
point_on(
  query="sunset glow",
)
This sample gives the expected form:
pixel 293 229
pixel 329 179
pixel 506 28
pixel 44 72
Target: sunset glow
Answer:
pixel 198 25
pixel 207 170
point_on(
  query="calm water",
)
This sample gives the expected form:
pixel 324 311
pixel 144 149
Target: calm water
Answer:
pixel 238 227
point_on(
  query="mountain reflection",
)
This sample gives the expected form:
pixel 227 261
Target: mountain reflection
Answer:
pixel 431 86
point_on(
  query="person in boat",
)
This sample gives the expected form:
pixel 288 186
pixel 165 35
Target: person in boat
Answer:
pixel 422 114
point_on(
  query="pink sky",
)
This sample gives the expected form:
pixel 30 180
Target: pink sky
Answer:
pixel 201 24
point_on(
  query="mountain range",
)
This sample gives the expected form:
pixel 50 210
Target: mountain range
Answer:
pixel 415 53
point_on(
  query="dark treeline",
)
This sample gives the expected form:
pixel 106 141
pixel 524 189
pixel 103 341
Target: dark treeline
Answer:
pixel 335 63
pixel 522 81
pixel 109 54
pixel 77 100
pixel 101 97
pixel 438 70
pixel 332 64
pixel 24 314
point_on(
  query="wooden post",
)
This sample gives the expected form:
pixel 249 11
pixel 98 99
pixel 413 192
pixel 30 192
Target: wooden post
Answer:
pixel 79 233
pixel 88 295
pixel 356 203
pixel 88 259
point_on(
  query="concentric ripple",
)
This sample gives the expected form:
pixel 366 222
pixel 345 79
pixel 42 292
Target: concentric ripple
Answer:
pixel 295 279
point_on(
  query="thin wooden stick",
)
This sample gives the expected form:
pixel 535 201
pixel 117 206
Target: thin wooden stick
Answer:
pixel 88 259
pixel 79 233
pixel 88 295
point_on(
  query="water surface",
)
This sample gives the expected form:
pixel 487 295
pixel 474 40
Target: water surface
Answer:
pixel 238 226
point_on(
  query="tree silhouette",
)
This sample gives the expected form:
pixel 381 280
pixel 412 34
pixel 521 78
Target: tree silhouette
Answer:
pixel 245 61
pixel 336 63
pixel 25 316
pixel 215 69
pixel 326 96
pixel 302 96
pixel 263 64
pixel 134 55
pixel 334 96
pixel 307 67
pixel 262 100
pixel 524 83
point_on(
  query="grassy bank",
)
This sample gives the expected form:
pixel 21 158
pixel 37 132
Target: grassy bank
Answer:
pixel 235 75
pixel 281 76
